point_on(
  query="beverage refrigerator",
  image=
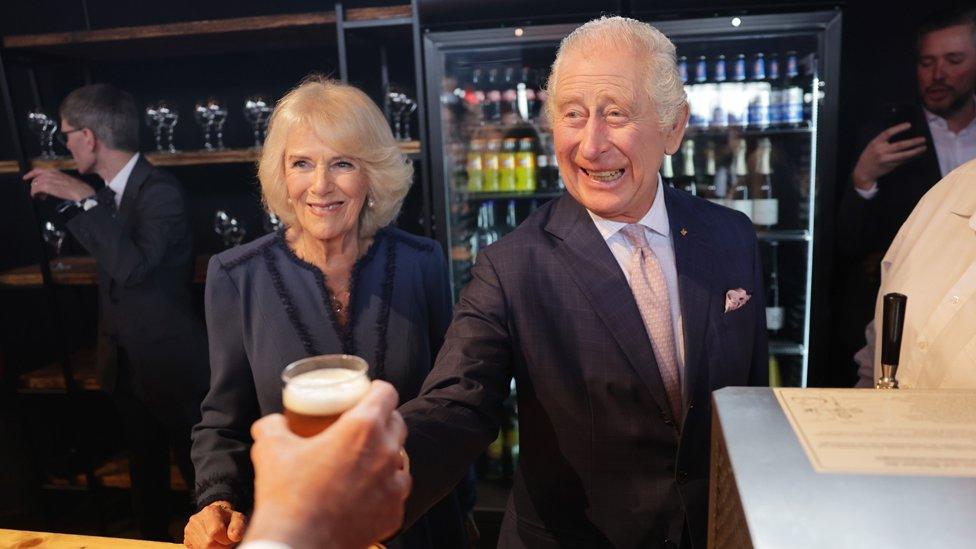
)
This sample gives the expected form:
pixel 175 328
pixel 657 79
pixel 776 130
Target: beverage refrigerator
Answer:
pixel 759 140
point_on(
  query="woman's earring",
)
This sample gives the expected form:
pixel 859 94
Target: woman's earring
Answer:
pixel 370 202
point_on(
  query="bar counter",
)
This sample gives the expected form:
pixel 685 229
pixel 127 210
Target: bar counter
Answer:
pixel 21 539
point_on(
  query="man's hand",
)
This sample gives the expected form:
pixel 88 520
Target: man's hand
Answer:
pixel 344 487
pixel 881 156
pixel 216 525
pixel 51 182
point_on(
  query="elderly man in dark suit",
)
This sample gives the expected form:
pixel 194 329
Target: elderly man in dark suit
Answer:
pixel 152 347
pixel 618 308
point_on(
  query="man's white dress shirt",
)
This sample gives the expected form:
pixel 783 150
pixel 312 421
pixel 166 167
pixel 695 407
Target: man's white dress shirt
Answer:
pixel 658 232
pixel 117 184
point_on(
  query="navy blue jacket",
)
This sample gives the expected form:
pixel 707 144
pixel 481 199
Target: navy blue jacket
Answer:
pixel 267 308
pixel 602 461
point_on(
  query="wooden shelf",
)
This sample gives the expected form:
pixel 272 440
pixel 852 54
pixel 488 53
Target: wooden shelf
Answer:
pixel 193 37
pixel 49 378
pixel 378 14
pixel 186 158
pixel 113 473
pixel 77 271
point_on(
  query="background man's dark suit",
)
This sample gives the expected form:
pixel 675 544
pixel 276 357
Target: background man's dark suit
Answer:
pixel 152 348
pixel 865 229
pixel 602 461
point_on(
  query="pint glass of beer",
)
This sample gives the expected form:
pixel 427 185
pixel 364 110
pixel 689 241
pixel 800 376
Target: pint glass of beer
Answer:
pixel 319 389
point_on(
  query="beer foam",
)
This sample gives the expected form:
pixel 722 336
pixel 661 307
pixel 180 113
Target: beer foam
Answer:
pixel 329 391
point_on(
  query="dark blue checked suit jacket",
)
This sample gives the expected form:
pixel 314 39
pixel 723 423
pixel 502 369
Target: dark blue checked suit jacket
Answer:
pixel 602 462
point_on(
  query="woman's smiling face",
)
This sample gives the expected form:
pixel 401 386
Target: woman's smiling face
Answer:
pixel 326 189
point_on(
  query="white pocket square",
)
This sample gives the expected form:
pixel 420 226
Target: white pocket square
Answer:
pixel 735 299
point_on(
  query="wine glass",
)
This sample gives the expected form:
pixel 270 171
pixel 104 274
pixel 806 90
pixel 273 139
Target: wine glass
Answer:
pixel 154 121
pixel 411 107
pixel 54 237
pixel 168 118
pixel 45 127
pixel 272 223
pixel 397 103
pixel 219 115
pixel 211 115
pixel 228 228
pixel 257 110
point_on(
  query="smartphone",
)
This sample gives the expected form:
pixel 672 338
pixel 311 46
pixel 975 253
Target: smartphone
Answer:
pixel 898 113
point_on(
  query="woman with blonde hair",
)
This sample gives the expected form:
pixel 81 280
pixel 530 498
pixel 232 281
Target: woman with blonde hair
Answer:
pixel 338 278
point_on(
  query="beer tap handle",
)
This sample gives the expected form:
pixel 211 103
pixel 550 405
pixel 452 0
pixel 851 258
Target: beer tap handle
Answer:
pixel 893 324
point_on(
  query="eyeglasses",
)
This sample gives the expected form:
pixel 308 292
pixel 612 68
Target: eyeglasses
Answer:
pixel 63 135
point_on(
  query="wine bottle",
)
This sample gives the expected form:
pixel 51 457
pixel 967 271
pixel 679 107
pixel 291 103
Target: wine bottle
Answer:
pixel 711 189
pixel 741 200
pixel 765 207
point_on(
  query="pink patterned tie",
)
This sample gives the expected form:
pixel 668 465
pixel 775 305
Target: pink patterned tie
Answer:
pixel 651 292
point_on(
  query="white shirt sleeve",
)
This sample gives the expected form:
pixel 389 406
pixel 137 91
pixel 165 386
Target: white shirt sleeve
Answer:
pixel 263 544
pixel 867 194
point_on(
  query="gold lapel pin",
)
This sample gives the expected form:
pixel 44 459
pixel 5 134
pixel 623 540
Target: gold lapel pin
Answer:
pixel 684 232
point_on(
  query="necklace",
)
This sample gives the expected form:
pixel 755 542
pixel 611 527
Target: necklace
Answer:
pixel 340 301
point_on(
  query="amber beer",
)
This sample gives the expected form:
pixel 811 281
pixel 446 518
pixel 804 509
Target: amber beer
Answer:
pixel 319 389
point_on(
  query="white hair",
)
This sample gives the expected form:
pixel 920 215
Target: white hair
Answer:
pixel 656 54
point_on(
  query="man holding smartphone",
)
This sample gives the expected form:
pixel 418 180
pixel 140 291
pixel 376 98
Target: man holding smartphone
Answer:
pixel 913 148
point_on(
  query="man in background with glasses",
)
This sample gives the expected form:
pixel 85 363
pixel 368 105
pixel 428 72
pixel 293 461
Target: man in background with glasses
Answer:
pixel 152 349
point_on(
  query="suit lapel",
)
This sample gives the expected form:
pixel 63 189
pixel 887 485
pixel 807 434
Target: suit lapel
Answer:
pixel 140 172
pixel 596 272
pixel 930 158
pixel 691 254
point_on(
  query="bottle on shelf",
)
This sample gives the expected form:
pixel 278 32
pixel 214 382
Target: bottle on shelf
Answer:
pixel 485 233
pixel 525 167
pixel 699 95
pixel 775 314
pixel 765 207
pixel 775 90
pixel 511 217
pixel 544 178
pixel 792 105
pixel 740 199
pixel 739 94
pixel 555 178
pixel 491 165
pixel 493 98
pixel 510 107
pixel 711 189
pixel 474 95
pixel 526 90
pixel 688 182
pixel 667 171
pixel 759 94
pixel 476 174
pixel 506 165
pixel 722 97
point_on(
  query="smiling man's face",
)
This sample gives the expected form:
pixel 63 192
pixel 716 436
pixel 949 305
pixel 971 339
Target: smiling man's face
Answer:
pixel 607 135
